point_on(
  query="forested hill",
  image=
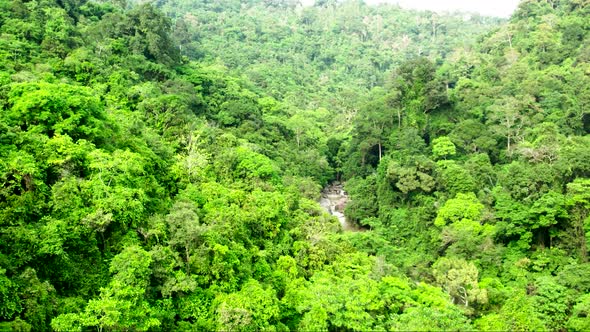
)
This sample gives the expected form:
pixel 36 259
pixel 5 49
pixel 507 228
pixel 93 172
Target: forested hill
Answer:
pixel 326 55
pixel 161 166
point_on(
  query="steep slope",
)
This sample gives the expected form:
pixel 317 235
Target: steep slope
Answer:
pixel 143 191
pixel 146 185
pixel 473 174
pixel 327 55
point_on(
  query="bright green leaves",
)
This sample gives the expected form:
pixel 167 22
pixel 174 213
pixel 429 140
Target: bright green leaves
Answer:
pixel 20 173
pixel 244 165
pixel 57 109
pixel 195 308
pixel 254 166
pixel 142 33
pixel 253 308
pixel 9 301
pixel 59 36
pixel 548 210
pixel 23 188
pixel 305 127
pixel 464 206
pixel 234 112
pixel 66 156
pixel 122 304
pixel 185 230
pixel 580 318
pixel 349 295
pixel 513 215
pixel 472 136
pixel 396 294
pixel 265 213
pixel 552 302
pixel 121 167
pixel 315 319
pixel 460 279
pixel 81 64
pixel 463 232
pixel 363 198
pixel 167 113
pixel 194 164
pixel 227 243
pixel 53 235
pixel 342 300
pixel 432 319
pixel 453 177
pixel 579 193
pixel 346 301
pixel 36 299
pixel 422 92
pixel 219 231
pixel 542 221
pixel 131 267
pixel 147 30
pixel 443 147
pixel 119 185
pixel 508 119
pixel 578 199
pixel 411 178
pixel 517 314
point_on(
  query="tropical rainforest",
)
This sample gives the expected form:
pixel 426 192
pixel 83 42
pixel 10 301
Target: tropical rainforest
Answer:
pixel 162 162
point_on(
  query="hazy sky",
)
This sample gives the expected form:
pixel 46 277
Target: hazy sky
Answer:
pixel 502 8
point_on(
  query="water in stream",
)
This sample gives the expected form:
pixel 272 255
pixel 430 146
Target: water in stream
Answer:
pixel 334 200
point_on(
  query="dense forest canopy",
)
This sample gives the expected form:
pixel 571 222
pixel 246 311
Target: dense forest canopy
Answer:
pixel 328 55
pixel 161 165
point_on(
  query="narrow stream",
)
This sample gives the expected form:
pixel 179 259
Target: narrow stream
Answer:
pixel 334 200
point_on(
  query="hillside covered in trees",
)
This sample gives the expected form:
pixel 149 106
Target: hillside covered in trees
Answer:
pixel 161 165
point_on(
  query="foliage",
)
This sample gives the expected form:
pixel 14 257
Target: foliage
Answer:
pixel 161 163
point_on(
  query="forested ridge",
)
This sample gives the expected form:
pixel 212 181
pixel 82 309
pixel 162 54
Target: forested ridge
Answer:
pixel 161 165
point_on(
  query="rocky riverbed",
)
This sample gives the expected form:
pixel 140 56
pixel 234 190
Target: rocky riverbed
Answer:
pixel 334 200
